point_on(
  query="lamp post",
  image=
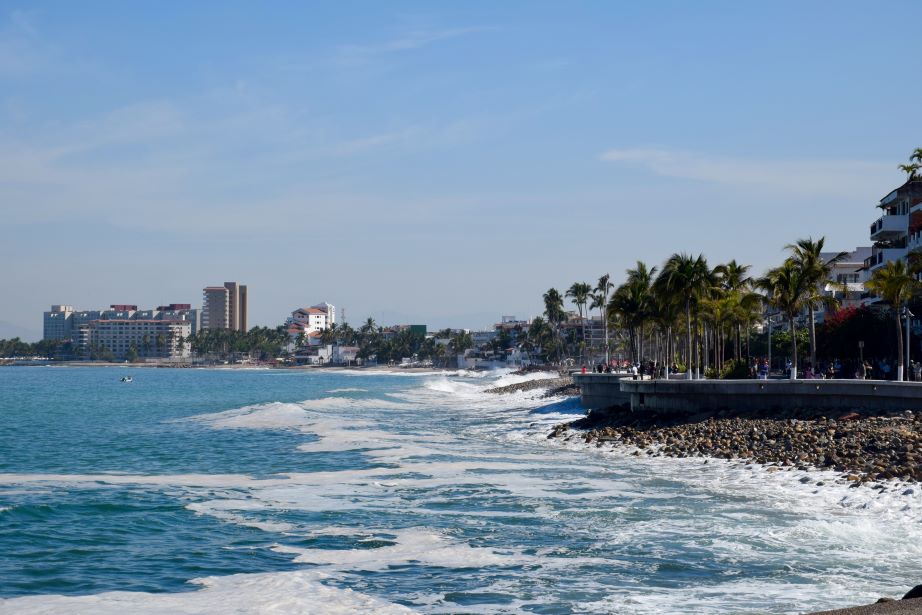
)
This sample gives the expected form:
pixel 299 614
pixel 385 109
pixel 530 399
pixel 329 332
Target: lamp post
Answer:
pixel 769 346
pixel 908 316
pixel 861 351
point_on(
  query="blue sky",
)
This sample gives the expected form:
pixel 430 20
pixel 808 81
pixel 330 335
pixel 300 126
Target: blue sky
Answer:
pixel 442 163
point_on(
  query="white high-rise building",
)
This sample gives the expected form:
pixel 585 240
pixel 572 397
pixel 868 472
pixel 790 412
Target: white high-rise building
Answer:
pixel 330 311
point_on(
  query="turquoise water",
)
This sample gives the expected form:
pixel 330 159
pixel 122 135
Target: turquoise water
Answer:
pixel 386 492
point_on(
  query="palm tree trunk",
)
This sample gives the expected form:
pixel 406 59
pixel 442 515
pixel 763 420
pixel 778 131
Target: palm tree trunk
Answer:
pixel 812 338
pixel 739 343
pixel 640 348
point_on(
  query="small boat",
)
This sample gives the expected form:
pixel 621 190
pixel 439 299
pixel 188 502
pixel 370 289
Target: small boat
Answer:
pixel 126 378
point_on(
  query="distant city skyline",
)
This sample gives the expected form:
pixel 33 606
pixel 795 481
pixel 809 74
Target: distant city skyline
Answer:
pixel 439 164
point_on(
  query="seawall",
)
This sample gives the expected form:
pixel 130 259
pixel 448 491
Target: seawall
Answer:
pixel 695 396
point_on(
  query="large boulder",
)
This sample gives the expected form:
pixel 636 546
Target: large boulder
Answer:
pixel 915 592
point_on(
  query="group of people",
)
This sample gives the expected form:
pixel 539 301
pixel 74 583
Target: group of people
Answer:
pixel 652 369
pixel 879 369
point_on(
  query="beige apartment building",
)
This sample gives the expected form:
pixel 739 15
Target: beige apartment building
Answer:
pixel 225 307
pixel 162 339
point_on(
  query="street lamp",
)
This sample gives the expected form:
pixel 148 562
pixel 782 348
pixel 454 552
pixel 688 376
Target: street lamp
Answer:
pixel 769 345
pixel 861 351
pixel 908 316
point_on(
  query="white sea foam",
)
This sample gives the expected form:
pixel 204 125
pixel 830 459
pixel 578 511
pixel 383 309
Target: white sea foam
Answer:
pixel 409 546
pixel 281 592
pixel 262 416
pixel 738 514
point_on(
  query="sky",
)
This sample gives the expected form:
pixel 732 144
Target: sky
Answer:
pixel 432 162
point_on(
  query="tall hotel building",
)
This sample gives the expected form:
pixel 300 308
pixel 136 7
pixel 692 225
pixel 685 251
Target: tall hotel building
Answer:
pixel 225 307
pixel 158 333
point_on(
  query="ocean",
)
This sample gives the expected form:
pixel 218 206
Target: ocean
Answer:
pixel 239 491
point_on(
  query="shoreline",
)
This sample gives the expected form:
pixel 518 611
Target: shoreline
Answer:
pixel 266 366
pixel 655 435
pixel 877 449
pixel 865 449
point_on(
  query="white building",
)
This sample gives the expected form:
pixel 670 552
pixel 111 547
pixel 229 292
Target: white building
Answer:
pixel 309 320
pixel 330 311
pixel 147 338
pixel 65 323
pixel 899 228
pixel 846 281
pixel 57 322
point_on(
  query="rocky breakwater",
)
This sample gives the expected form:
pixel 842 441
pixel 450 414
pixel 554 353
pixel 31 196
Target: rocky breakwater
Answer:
pixel 553 387
pixel 863 447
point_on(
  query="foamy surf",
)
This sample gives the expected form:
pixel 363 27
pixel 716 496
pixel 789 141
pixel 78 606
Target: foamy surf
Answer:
pixel 282 592
pixel 448 499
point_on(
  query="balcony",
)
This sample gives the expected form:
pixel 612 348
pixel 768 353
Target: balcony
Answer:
pixel 879 256
pixel 889 228
pixel 915 240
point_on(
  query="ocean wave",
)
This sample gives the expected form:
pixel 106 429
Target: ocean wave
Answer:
pixel 279 592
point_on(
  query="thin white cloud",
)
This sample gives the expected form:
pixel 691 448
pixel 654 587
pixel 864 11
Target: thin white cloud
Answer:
pixel 806 177
pixel 415 39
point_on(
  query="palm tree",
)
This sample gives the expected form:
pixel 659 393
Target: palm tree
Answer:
pixel 788 290
pixel 665 309
pixel 598 301
pixel 602 289
pixel 915 163
pixel 553 309
pixel 579 292
pixel 328 335
pixel 894 284
pixel 642 277
pixel 911 170
pixel 685 276
pixel 736 283
pixel 807 255
pixel 633 302
pixel 627 303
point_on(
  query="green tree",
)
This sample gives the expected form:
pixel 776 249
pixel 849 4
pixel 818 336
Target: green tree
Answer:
pixel 788 290
pixel 553 310
pixel 600 299
pixel 807 255
pixel 579 293
pixel 915 164
pixel 895 284
pixel 688 277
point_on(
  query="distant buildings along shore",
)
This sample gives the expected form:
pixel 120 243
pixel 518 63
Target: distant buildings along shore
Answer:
pixel 126 332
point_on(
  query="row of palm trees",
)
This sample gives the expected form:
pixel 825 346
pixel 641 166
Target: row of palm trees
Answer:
pixel 385 345
pixel 715 308
pixel 257 343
